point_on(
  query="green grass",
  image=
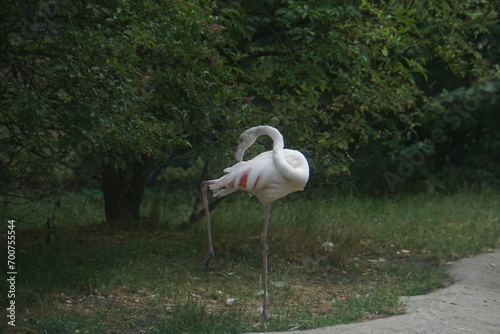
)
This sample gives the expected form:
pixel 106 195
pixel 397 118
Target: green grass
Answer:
pixel 333 260
pixel 192 317
pixel 442 226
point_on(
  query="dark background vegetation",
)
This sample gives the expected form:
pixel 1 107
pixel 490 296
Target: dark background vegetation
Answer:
pixel 381 97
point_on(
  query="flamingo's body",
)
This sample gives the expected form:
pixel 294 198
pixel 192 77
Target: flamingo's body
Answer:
pixel 269 176
pixel 261 178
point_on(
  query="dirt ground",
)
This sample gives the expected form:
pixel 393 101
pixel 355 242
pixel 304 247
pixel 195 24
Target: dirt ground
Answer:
pixel 470 305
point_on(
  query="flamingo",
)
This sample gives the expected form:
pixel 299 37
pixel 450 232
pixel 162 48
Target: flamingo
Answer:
pixel 269 176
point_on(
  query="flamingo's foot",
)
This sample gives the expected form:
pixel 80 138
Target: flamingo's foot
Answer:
pixel 208 257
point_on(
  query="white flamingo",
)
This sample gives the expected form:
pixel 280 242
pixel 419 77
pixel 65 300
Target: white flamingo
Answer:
pixel 268 176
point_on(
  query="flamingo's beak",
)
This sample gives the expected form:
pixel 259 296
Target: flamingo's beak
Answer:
pixel 239 154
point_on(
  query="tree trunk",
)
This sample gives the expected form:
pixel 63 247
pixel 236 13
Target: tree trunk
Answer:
pixel 123 190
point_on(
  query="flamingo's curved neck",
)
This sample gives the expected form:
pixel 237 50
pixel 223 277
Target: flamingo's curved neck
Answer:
pixel 280 161
pixel 275 135
pixel 247 139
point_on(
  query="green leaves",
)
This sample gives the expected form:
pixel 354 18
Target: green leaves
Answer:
pixel 360 71
pixel 131 80
pixel 150 78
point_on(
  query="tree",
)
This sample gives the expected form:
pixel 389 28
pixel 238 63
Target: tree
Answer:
pixel 108 90
pixel 340 74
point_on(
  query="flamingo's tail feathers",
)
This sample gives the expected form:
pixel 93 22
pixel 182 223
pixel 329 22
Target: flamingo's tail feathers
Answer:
pixel 227 184
pixel 221 187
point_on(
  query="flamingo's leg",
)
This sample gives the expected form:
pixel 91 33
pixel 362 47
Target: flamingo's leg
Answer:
pixel 265 251
pixel 210 253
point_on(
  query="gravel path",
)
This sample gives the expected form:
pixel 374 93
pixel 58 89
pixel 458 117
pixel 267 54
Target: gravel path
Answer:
pixel 470 305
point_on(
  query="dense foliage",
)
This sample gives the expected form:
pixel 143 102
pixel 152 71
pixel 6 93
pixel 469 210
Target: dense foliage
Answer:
pixel 364 79
pixel 106 91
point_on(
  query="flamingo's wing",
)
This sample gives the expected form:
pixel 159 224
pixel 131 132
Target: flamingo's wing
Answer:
pixel 246 175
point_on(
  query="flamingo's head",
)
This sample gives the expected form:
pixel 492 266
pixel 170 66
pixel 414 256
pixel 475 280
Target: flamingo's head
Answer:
pixel 248 137
pixel 246 140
